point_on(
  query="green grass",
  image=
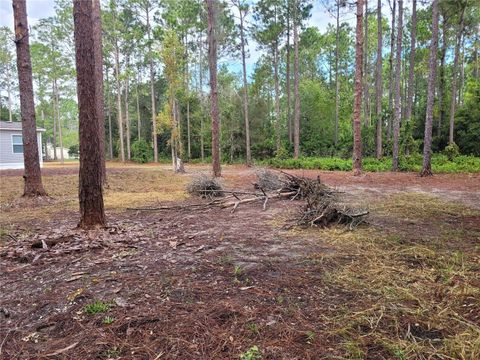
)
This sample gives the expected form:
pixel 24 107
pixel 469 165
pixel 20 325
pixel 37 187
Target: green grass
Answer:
pixel 96 307
pixel 440 164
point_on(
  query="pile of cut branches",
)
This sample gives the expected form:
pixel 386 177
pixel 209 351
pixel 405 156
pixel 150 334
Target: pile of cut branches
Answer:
pixel 205 187
pixel 322 206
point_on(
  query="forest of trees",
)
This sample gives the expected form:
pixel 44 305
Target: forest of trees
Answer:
pixel 296 100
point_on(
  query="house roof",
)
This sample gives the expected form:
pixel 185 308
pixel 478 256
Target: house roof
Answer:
pixel 14 126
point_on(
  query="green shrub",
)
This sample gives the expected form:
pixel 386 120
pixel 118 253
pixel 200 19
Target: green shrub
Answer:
pixel 141 151
pixel 451 151
pixel 282 154
pixel 440 164
pixel 73 151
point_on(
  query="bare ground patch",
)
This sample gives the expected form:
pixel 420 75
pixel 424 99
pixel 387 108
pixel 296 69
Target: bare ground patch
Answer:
pixel 210 285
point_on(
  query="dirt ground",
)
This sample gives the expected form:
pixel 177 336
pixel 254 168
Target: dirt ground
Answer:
pixel 210 284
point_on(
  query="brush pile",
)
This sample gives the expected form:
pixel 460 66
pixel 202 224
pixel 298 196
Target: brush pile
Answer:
pixel 322 205
pixel 205 187
pixel 268 180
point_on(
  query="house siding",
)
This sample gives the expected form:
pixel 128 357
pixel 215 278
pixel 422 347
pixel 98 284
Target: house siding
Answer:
pixel 10 160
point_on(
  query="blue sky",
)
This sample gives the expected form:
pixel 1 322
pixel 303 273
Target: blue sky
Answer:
pixel 38 9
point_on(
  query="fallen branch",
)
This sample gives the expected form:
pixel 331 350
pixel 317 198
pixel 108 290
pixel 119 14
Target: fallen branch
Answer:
pixel 235 204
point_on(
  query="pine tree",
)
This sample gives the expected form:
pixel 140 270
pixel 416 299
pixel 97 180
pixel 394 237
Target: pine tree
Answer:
pixel 32 175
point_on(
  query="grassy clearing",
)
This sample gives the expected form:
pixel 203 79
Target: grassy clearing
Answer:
pixel 440 164
pixel 128 186
pixel 414 295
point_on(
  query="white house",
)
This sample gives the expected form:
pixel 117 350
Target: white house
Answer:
pixel 11 145
pixel 50 152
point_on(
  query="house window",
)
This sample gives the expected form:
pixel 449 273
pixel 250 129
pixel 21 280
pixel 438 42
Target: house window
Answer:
pixel 17 143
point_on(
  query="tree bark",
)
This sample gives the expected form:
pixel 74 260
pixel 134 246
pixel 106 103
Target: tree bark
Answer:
pixel 32 176
pixel 427 142
pixel 398 79
pixel 248 152
pixel 454 77
pixel 99 103
pixel 277 96
pixel 127 120
pixel 54 115
pixel 9 94
pixel 287 75
pixel 296 84
pixel 119 98
pixel 462 74
pixel 357 107
pixel 411 70
pixel 187 91
pixel 337 82
pixel 152 88
pixel 392 74
pixel 59 122
pixel 139 122
pixel 90 95
pixel 109 109
pixel 379 83
pixel 200 75
pixel 441 85
pixel 366 90
pixel 212 62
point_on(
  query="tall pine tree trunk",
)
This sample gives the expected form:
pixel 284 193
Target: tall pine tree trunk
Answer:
pixel 212 62
pixel 432 65
pixel 398 78
pixel 109 109
pixel 127 120
pixel 277 97
pixel 296 84
pixel 152 89
pixel 119 103
pixel 32 176
pixel 337 82
pixel 441 85
pixel 54 130
pixel 379 83
pixel 357 106
pixel 288 76
pixel 9 94
pixel 99 100
pixel 248 152
pixel 454 77
pixel 59 122
pixel 411 70
pixel 392 73
pixel 366 89
pixel 202 103
pixel 139 121
pixel 187 91
pixel 90 96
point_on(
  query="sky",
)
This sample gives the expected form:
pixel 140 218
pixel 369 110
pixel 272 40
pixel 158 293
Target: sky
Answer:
pixel 320 18
pixel 38 9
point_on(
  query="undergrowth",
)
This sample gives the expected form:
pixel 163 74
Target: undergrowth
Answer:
pixel 440 164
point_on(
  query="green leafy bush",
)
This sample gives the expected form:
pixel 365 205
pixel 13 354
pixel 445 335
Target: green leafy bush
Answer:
pixel 141 151
pixel 440 164
pixel 73 151
pixel 452 151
